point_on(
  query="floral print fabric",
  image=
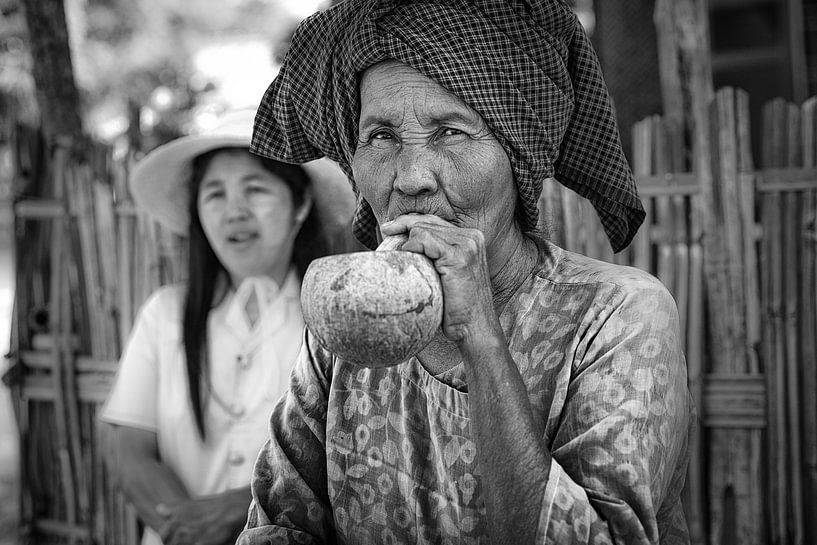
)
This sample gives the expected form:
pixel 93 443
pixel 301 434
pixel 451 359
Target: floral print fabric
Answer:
pixel 360 455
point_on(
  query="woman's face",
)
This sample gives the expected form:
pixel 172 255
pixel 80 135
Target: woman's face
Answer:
pixel 247 215
pixel 422 149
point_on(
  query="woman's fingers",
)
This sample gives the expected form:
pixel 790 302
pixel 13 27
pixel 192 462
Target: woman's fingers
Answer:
pixel 405 223
pixel 459 257
pixel 433 232
pixel 447 246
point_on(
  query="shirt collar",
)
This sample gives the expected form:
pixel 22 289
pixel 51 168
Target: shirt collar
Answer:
pixel 273 303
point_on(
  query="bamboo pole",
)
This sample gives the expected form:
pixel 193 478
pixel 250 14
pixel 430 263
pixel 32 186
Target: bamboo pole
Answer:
pixel 675 159
pixel 736 513
pixel 791 297
pixel 772 265
pixel 681 258
pixel 642 167
pixel 808 323
pixel 105 222
pixel 686 82
pixel 57 276
pixel 695 335
pixel 126 248
pixel 664 217
pixel 751 292
pixel 79 207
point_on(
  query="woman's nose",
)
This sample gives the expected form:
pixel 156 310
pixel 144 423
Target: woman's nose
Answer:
pixel 237 207
pixel 416 172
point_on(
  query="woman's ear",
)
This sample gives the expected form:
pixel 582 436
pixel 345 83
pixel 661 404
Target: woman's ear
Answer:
pixel 303 210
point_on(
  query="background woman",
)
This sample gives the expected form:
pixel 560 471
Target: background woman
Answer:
pixel 207 361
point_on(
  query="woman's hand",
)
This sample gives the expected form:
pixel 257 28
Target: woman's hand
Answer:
pixel 501 413
pixel 213 520
pixel 459 256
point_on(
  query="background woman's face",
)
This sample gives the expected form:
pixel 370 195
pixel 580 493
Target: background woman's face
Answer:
pixel 247 214
pixel 422 149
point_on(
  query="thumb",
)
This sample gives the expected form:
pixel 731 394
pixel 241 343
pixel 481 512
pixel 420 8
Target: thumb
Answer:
pixel 163 510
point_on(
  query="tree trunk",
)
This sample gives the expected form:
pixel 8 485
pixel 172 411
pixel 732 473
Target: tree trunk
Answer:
pixel 57 94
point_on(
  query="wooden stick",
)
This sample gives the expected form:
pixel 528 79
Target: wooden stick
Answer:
pixel 747 206
pixel 71 403
pixel 664 217
pixel 106 243
pixel 696 487
pixel 735 508
pixel 791 217
pixel 81 212
pixel 808 326
pixel 642 166
pixel 772 261
pixel 56 278
pixel 750 295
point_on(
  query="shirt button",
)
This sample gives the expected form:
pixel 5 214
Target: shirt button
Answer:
pixel 243 362
pixel 236 459
pixel 238 410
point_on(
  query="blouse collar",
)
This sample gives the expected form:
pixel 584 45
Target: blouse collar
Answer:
pixel 273 303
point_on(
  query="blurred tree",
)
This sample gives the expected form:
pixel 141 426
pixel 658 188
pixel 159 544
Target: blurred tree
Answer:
pixel 16 82
pixel 135 53
pixel 129 54
pixel 52 68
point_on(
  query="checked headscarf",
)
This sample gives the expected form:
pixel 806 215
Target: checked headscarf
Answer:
pixel 527 67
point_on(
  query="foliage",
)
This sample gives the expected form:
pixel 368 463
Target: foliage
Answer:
pixel 123 51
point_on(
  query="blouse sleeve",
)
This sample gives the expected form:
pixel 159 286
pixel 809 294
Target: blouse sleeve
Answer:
pixel 290 500
pixel 132 400
pixel 620 452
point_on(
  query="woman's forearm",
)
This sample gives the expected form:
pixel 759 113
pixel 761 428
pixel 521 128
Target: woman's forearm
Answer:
pixel 145 480
pixel 209 520
pixel 149 485
pixel 513 459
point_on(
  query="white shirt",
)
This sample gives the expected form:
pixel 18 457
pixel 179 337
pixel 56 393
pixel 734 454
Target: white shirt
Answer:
pixel 249 372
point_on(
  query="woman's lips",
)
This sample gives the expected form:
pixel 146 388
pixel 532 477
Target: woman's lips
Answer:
pixel 242 237
pixel 416 213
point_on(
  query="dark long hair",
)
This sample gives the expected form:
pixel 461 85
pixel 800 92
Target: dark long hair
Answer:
pixel 208 279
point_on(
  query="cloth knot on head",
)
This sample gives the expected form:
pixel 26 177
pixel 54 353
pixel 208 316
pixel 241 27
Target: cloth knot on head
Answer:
pixel 526 67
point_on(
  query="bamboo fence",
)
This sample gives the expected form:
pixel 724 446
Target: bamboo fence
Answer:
pixel 787 200
pixel 86 261
pixel 739 256
pixel 738 253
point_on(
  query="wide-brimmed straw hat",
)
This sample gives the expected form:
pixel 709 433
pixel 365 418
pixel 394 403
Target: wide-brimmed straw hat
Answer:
pixel 159 182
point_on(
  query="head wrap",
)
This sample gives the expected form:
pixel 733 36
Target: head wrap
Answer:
pixel 527 67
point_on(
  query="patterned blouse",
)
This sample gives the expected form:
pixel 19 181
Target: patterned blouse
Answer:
pixel 361 455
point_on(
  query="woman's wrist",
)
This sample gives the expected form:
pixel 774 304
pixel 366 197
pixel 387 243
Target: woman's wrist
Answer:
pixel 481 343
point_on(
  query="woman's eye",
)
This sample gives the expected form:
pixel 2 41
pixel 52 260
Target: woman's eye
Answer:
pixel 381 138
pixel 444 132
pixel 212 194
pixel 257 188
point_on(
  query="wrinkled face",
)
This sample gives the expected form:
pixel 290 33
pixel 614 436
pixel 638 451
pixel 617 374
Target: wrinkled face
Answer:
pixel 247 215
pixel 422 149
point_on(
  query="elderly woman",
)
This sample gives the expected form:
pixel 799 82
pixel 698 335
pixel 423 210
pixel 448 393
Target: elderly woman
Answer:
pixel 553 405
